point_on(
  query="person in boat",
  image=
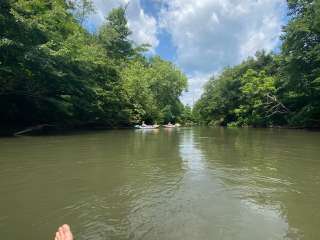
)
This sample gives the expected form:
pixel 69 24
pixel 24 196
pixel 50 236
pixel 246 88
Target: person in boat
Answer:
pixel 64 233
pixel 143 124
pixel 169 124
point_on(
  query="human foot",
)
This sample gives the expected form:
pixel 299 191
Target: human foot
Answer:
pixel 64 233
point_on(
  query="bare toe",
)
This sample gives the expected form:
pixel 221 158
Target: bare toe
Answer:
pixel 61 233
pixel 67 232
pixel 64 233
pixel 66 228
pixel 57 236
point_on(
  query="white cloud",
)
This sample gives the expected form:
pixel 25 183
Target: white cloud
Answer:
pixel 208 34
pixel 212 34
pixel 143 26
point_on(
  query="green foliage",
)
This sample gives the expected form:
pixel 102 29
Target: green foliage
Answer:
pixel 167 84
pixel 256 87
pixel 245 95
pixel 137 77
pixel 272 89
pixel 82 9
pixel 232 125
pixel 188 116
pixel 53 71
pixel 114 35
pixel 153 87
pixel 301 64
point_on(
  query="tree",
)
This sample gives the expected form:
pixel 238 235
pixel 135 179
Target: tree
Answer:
pixel 167 84
pixel 114 35
pixel 301 67
pixel 137 77
pixel 187 117
pixel 32 71
pixel 53 71
pixel 247 94
pixel 83 9
pixel 257 92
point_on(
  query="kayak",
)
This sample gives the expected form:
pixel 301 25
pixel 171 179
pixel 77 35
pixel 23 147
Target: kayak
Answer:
pixel 147 127
pixel 169 126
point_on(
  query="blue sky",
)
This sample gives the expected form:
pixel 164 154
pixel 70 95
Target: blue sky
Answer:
pixel 201 36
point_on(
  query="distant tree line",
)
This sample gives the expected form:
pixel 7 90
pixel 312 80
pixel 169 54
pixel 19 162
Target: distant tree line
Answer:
pixel 54 71
pixel 271 89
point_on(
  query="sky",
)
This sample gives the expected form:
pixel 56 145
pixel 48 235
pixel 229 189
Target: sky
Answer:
pixel 201 37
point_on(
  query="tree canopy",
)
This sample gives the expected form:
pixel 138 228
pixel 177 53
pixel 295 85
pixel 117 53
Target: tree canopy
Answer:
pixel 272 89
pixel 53 71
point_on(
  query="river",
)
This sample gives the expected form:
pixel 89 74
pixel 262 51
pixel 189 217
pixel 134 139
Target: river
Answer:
pixel 181 184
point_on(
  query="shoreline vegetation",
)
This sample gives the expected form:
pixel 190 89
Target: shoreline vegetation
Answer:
pixel 54 72
pixel 271 89
pixel 56 75
pixel 46 129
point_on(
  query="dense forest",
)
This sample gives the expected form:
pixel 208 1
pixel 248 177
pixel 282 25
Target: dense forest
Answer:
pixel 53 71
pixel 271 89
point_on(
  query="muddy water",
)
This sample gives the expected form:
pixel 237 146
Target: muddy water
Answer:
pixel 181 184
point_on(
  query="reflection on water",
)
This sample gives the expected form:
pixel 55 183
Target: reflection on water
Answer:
pixel 226 210
pixel 198 183
pixel 275 172
pixel 190 152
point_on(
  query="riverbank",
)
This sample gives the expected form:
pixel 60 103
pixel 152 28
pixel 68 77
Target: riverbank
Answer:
pixel 52 129
pixel 49 129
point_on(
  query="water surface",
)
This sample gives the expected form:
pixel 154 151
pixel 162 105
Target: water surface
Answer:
pixel 181 184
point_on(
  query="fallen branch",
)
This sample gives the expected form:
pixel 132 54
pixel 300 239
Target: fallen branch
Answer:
pixel 274 106
pixel 32 129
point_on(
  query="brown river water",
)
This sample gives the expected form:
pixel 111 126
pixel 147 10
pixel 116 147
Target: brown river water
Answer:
pixel 179 184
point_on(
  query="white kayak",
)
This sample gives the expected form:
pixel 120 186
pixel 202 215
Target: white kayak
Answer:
pixel 147 127
pixel 169 126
